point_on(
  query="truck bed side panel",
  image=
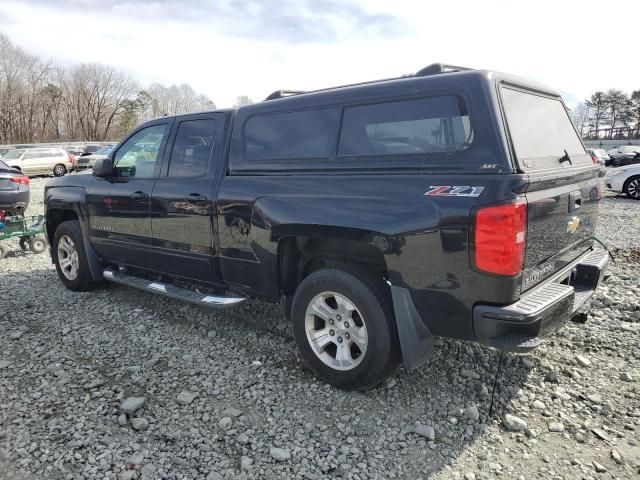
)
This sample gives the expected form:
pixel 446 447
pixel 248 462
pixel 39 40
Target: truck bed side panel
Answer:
pixel 425 238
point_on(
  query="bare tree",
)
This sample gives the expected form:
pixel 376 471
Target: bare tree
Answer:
pixel 618 105
pixel 242 100
pixel 580 117
pixel 598 107
pixel 43 102
pixel 635 110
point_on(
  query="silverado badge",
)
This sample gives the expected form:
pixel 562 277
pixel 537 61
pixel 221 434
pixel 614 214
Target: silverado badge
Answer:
pixel 573 225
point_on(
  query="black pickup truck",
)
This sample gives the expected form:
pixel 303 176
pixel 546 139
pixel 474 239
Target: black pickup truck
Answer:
pixel 452 202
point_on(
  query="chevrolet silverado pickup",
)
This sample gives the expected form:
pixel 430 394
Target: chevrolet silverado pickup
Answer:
pixel 452 202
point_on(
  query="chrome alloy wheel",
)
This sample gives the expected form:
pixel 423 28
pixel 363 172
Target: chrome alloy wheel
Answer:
pixel 68 257
pixel 633 188
pixel 336 331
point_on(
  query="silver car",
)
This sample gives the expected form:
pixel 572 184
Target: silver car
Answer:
pixel 88 161
pixel 40 161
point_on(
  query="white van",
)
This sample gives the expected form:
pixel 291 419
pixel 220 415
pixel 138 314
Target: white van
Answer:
pixel 40 161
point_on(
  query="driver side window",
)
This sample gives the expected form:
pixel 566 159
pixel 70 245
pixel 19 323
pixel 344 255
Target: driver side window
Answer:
pixel 138 156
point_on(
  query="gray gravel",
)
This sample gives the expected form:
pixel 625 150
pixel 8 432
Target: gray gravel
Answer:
pixel 226 396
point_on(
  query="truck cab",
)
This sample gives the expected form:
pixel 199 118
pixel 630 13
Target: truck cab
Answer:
pixel 453 202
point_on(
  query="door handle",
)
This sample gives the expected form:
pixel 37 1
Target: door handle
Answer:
pixel 138 196
pixel 196 198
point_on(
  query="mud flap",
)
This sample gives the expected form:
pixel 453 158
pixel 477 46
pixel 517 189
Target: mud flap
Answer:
pixel 94 261
pixel 416 341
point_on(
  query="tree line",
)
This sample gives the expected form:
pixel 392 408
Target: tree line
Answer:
pixel 613 114
pixel 44 102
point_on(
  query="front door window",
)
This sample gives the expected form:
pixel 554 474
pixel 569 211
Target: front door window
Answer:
pixel 139 156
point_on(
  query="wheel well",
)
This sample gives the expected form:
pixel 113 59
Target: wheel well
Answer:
pixel 55 217
pixel 300 255
pixel 626 182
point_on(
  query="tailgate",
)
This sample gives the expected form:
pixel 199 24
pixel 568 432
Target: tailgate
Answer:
pixel 564 185
pixel 562 215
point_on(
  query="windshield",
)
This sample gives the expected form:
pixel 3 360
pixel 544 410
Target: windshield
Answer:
pixel 13 154
pixel 541 131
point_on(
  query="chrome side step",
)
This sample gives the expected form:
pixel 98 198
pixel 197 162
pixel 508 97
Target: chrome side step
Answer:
pixel 171 291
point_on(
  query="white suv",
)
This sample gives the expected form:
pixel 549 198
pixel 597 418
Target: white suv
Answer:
pixel 625 180
pixel 40 161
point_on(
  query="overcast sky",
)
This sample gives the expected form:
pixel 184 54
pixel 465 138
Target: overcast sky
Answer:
pixel 226 48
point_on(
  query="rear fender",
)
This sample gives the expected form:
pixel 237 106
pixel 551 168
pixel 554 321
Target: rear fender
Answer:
pixel 416 341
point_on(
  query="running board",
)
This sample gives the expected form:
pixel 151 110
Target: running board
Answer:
pixel 171 291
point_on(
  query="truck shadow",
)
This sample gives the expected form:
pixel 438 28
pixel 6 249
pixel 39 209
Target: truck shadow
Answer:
pixel 452 394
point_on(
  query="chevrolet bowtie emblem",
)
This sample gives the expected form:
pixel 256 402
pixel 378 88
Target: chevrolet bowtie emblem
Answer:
pixel 573 225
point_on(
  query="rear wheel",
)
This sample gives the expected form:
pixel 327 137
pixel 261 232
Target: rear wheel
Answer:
pixel 344 328
pixel 70 258
pixel 59 170
pixel 3 252
pixel 632 187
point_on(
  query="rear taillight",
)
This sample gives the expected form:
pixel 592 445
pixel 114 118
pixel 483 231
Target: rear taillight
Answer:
pixel 72 159
pixel 21 180
pixel 594 159
pixel 500 234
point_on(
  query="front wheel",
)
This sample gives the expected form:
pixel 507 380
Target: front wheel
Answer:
pixel 632 188
pixel 70 258
pixel 344 328
pixel 24 243
pixel 59 170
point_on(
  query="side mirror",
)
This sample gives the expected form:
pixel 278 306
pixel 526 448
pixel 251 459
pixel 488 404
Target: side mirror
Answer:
pixel 103 168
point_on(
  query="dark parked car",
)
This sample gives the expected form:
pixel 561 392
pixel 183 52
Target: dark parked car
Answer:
pixel 624 155
pixel 88 161
pixel 14 190
pixel 89 149
pixel 454 202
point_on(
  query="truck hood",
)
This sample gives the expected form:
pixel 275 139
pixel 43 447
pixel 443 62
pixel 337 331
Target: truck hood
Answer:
pixel 75 180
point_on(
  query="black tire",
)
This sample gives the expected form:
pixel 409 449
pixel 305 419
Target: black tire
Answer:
pixel 17 212
pixel 382 355
pixel 83 281
pixel 632 187
pixel 3 252
pixel 37 244
pixel 59 170
pixel 24 244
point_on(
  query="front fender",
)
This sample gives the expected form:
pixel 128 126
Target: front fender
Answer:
pixel 64 203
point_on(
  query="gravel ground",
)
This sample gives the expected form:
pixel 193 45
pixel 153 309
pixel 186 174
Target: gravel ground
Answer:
pixel 122 384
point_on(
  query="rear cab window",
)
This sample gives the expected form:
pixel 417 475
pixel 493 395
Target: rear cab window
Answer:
pixel 408 127
pixel 541 131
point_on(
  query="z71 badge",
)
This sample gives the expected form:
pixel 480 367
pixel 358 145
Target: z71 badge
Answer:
pixel 454 191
